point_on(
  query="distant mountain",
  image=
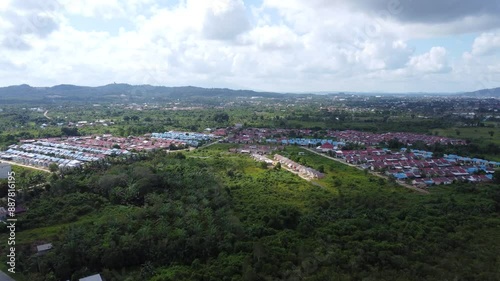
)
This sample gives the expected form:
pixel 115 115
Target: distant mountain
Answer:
pixel 117 93
pixel 125 93
pixel 486 93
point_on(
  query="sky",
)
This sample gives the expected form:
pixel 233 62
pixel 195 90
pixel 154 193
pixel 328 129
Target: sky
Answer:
pixel 265 45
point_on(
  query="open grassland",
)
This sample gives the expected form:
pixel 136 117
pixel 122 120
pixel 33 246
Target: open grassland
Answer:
pixel 478 135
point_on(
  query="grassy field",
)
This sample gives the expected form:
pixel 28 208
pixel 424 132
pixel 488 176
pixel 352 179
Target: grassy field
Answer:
pixel 479 135
pixel 337 175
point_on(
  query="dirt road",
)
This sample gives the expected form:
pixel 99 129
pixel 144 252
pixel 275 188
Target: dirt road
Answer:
pixel 26 166
pixel 46 116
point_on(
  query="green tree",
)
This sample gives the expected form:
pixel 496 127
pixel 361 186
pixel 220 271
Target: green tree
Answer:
pixel 394 144
pixel 321 168
pixel 53 167
pixel 496 176
pixel 278 166
pixel 69 131
pixel 221 117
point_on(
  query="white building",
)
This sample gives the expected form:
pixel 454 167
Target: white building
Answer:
pixel 5 169
pixel 96 277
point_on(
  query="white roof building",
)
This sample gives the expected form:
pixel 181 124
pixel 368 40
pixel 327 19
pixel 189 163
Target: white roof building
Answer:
pixel 44 247
pixel 96 277
pixel 5 169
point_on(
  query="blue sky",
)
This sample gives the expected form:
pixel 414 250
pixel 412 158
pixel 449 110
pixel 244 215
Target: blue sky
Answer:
pixel 273 45
pixel 112 26
pixel 455 44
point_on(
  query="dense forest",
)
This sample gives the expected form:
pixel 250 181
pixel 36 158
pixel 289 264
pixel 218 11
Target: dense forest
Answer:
pixel 109 93
pixel 211 215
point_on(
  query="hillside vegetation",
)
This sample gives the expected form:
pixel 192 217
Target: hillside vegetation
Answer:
pixel 211 215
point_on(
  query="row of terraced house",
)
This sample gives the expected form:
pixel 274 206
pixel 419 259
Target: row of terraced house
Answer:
pixel 420 167
pixel 309 137
pixel 301 169
pixel 372 139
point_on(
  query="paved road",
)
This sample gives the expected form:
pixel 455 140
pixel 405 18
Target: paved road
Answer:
pixel 5 277
pixel 372 173
pixel 45 114
pixel 212 143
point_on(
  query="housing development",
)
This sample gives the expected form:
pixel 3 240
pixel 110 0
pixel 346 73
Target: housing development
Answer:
pixel 420 167
pixel 74 152
pixel 416 167
pixel 240 140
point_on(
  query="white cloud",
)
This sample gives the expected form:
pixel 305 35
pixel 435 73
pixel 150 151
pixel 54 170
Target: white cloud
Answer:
pixel 109 9
pixel 21 21
pixel 434 61
pixel 4 5
pixel 279 46
pixel 273 38
pixel 384 55
pixel 225 20
pixel 486 44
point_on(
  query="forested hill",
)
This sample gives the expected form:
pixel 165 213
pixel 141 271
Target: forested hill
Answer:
pixel 117 92
pixel 485 93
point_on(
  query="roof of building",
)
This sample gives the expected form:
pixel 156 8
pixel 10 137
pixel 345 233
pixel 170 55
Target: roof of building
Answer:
pixel 96 277
pixel 327 145
pixel 44 247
